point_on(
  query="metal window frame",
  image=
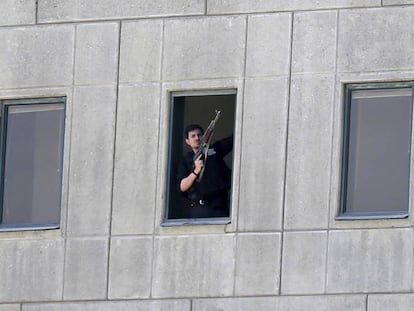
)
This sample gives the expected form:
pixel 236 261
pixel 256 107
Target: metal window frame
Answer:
pixel 4 105
pixel 348 89
pixel 171 222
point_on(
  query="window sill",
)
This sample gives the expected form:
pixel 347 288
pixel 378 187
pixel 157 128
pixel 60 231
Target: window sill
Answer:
pixel 372 215
pixel 28 227
pixel 195 222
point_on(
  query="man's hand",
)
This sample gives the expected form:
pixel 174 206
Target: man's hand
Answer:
pixel 187 182
pixel 198 164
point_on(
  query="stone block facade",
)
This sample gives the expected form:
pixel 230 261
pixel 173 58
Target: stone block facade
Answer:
pixel 117 62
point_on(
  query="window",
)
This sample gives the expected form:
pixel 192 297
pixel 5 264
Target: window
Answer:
pixel 204 199
pixel 377 151
pixel 32 133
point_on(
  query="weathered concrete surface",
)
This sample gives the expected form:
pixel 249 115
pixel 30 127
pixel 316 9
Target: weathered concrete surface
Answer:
pixel 36 56
pixel 209 48
pixel 370 260
pixel 309 152
pixel 194 266
pixel 96 53
pixel 86 266
pixel 135 167
pixel 130 267
pixel 376 40
pixel 141 47
pixel 85 10
pixel 268 51
pixel 31 270
pixel 400 302
pixel 321 303
pixel 10 307
pixel 396 2
pixel 17 12
pixel 257 268
pixel 161 305
pixel 263 154
pixel 255 6
pixel 304 262
pixel 91 160
pixel 314 42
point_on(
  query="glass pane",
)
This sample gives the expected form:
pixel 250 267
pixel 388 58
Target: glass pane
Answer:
pixel 379 151
pixel 33 164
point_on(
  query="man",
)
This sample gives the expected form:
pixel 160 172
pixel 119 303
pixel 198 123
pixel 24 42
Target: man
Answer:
pixel 208 197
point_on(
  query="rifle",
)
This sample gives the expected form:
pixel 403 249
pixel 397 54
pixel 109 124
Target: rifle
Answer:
pixel 205 143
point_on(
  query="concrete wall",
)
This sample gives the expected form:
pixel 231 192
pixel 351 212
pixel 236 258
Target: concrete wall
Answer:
pixel 116 61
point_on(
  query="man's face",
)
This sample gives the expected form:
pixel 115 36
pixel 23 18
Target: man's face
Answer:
pixel 193 139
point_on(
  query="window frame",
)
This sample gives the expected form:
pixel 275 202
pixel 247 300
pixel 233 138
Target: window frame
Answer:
pixel 173 95
pixel 347 97
pixel 4 106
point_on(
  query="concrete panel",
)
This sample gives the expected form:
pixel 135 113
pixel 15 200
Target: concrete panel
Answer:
pixel 376 40
pixel 263 154
pixel 136 159
pixel 370 260
pixel 204 48
pixel 236 304
pixel 130 268
pixel 82 10
pixel 257 264
pixel 91 160
pixel 141 51
pixel 162 305
pixel 304 262
pixel 268 52
pixel 194 266
pixel 320 303
pixel 36 56
pixel 254 6
pixel 14 307
pixel 30 270
pixel 15 12
pixel 323 303
pixel 400 302
pixel 309 152
pixel 96 53
pixel 86 269
pixel 314 42
pixel 396 2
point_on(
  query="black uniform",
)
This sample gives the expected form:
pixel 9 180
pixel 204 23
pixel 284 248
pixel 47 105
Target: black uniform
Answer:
pixel 210 197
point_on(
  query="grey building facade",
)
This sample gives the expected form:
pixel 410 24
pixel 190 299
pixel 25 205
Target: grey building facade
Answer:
pixel 116 64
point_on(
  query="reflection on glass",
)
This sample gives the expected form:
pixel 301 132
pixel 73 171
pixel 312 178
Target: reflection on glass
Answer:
pixel 33 164
pixel 379 150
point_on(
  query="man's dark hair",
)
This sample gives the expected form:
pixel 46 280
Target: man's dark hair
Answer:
pixel 192 127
